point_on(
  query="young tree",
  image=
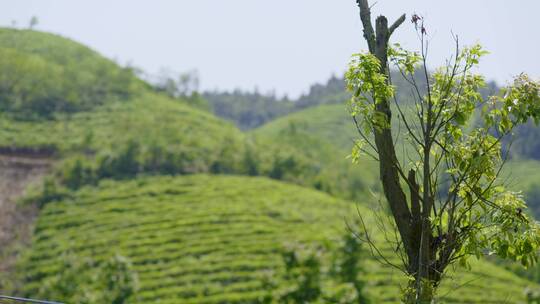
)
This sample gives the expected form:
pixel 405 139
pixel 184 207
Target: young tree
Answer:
pixel 446 198
pixel 182 85
pixel 315 274
pixel 33 22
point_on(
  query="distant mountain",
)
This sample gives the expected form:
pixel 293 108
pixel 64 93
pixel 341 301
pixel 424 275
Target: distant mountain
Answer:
pixel 249 110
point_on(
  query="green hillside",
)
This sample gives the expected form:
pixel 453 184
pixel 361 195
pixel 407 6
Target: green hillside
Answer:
pixel 141 132
pixel 54 48
pixel 107 134
pixel 524 175
pixel 42 74
pixel 331 123
pixel 204 239
pixel 165 132
pixel 113 125
pixel 148 118
pixel 325 135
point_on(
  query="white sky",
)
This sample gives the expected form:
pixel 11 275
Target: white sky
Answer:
pixel 284 45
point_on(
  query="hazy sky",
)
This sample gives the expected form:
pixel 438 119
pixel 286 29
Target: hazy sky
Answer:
pixel 280 44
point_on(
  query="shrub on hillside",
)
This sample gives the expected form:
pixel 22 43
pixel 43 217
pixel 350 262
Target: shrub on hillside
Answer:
pixel 320 275
pixel 85 281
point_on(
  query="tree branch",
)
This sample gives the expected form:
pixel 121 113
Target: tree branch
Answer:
pixel 365 17
pixel 388 162
pixel 396 24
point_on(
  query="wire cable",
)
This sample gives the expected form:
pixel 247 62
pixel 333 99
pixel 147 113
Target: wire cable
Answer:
pixel 23 300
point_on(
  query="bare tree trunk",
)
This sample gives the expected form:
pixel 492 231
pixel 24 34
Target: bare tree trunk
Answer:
pixel 413 225
pixel 378 45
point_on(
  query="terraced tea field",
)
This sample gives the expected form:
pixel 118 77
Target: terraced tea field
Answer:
pixel 213 239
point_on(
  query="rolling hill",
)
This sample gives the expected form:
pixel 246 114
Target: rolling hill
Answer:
pixel 61 99
pixel 158 126
pixel 110 134
pixel 42 74
pixel 325 134
pixel 98 120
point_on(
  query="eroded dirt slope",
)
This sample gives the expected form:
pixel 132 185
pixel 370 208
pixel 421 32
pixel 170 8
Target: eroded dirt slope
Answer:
pixel 17 173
